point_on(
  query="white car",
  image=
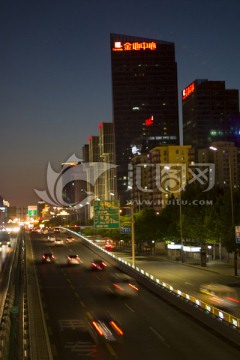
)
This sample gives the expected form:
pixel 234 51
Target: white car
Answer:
pixel 58 242
pixel 51 238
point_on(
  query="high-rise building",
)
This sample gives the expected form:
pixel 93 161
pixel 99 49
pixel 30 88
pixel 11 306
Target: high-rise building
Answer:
pixel 139 182
pixel 226 158
pixel 145 98
pixel 85 153
pixel 106 182
pixel 93 142
pixel 210 113
pixel 168 173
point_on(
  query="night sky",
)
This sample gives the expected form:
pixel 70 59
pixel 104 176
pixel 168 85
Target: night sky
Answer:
pixel 55 73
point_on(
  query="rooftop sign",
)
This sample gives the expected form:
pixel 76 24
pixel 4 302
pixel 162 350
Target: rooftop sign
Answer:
pixel 129 46
pixel 188 90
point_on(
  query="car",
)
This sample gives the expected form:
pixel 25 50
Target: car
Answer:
pixel 108 247
pixel 124 285
pixel 48 258
pixel 221 296
pixel 98 264
pixel 51 238
pixel 73 259
pixel 103 328
pixel 4 238
pixel 58 242
pixel 70 239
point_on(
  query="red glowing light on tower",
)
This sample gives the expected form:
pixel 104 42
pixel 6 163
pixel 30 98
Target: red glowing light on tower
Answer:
pixel 149 122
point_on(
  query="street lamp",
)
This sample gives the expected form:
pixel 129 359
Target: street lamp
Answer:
pixel 180 225
pixel 132 231
pixel 133 235
pixel 180 218
pixel 231 198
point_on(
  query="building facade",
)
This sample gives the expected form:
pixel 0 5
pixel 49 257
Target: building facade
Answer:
pixel 226 158
pixel 210 113
pixel 160 175
pixel 107 181
pixel 145 99
pixel 169 173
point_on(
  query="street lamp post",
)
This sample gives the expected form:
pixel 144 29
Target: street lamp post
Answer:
pixel 180 225
pixel 132 232
pixel 180 218
pixel 232 208
pixel 133 235
pixel 232 213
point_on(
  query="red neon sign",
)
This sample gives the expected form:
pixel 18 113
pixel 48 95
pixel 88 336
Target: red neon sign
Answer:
pixel 129 46
pixel 149 122
pixel 188 90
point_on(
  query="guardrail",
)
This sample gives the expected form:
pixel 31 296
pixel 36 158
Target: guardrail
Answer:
pixel 11 320
pixel 221 321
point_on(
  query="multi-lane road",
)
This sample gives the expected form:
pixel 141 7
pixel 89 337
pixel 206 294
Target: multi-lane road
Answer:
pixel 153 329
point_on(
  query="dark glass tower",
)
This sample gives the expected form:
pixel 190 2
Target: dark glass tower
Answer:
pixel 145 98
pixel 210 113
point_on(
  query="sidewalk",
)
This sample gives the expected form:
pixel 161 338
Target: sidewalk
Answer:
pixel 218 266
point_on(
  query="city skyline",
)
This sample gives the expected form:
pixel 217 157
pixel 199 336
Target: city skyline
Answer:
pixel 56 74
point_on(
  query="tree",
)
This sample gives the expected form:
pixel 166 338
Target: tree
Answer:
pixel 146 227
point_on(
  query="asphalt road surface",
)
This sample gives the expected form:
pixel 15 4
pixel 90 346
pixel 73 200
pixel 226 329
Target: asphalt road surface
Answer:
pixel 153 329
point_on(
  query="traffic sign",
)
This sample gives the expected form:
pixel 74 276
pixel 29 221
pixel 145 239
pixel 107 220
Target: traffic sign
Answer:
pixel 106 214
pixel 237 234
pixel 125 230
pixel 32 210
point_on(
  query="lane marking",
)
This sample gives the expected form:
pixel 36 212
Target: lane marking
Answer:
pixel 159 336
pixel 44 304
pixel 82 304
pixel 49 330
pixel 110 349
pixel 129 307
pixel 89 315
pixel 54 350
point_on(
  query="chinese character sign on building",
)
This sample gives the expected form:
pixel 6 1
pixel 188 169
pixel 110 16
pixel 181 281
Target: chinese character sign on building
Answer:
pixel 129 46
pixel 188 90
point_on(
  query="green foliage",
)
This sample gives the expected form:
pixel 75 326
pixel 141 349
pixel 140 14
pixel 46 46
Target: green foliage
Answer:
pixel 206 216
pixel 146 225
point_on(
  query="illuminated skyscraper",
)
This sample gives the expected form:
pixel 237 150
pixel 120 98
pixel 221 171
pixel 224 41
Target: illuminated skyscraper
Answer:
pixel 145 98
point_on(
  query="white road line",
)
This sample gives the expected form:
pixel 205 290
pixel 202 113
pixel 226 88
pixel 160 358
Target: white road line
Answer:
pixel 159 336
pixel 110 349
pixel 129 307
